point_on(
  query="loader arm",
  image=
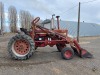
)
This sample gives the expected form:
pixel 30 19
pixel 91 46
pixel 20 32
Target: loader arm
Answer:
pixel 53 33
pixel 73 43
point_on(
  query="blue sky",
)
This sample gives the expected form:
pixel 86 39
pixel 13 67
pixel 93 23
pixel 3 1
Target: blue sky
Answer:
pixel 90 12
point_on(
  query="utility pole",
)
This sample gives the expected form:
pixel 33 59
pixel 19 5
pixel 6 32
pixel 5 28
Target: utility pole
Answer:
pixel 78 27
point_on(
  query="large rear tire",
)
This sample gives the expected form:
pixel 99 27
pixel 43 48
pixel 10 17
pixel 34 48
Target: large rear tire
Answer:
pixel 21 47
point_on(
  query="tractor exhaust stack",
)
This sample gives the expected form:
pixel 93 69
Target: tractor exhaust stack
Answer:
pixel 58 22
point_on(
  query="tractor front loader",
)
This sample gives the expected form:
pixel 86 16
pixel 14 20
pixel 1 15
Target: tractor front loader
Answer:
pixel 22 46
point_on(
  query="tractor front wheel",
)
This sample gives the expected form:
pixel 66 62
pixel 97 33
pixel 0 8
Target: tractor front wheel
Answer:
pixel 21 47
pixel 67 53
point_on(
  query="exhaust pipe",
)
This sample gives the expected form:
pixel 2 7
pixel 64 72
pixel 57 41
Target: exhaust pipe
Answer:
pixel 58 21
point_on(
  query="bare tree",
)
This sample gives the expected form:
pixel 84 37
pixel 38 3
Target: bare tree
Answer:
pixel 25 19
pixel 12 18
pixel 22 17
pixel 1 17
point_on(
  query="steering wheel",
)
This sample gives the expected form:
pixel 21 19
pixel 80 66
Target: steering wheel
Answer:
pixel 35 20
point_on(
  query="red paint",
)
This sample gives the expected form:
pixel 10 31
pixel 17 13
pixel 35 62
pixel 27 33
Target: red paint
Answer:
pixel 43 37
pixel 84 51
pixel 21 47
pixel 68 54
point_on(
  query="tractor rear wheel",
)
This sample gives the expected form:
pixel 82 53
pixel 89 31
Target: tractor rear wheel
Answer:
pixel 67 53
pixel 21 47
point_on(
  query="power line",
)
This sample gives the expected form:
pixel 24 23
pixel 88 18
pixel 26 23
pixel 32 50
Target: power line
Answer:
pixel 88 1
pixel 76 6
pixel 69 9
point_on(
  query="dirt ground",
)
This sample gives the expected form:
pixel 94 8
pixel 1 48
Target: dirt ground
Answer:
pixel 47 61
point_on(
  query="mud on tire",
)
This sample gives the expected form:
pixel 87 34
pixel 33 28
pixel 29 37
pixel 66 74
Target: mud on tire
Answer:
pixel 24 41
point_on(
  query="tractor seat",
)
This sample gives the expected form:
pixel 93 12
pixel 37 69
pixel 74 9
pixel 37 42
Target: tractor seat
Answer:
pixel 24 30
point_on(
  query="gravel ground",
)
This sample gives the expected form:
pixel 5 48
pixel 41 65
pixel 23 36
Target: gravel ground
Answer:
pixel 47 61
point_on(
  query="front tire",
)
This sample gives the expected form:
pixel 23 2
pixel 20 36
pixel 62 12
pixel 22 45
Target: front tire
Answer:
pixel 21 47
pixel 67 53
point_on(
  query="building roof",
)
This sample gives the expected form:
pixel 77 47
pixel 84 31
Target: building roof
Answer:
pixel 86 29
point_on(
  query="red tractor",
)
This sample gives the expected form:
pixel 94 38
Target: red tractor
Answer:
pixel 22 46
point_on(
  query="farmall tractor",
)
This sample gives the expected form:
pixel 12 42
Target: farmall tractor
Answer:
pixel 22 46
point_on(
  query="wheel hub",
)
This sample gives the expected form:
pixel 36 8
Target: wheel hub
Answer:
pixel 21 47
pixel 68 54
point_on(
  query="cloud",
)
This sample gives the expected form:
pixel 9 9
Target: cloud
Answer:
pixel 45 8
pixel 6 15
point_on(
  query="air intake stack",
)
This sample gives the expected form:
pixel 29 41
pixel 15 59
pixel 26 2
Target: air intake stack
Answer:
pixel 52 22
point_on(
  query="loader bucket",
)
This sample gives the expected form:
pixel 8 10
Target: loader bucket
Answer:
pixel 85 54
pixel 80 51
